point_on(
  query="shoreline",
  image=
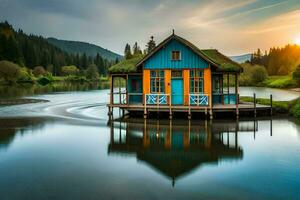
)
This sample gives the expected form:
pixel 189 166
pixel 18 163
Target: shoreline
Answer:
pixel 11 102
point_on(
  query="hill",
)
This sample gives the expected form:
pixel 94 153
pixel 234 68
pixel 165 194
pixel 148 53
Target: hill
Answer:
pixel 241 58
pixel 31 51
pixel 75 47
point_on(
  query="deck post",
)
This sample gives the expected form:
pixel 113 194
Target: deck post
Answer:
pixel 271 104
pixel 228 93
pixel 170 107
pixel 110 107
pixel 236 96
pixel 120 96
pixel 127 97
pixel 145 106
pixel 254 104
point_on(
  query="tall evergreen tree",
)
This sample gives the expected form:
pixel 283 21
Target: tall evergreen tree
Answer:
pixel 150 45
pixel 136 49
pixel 127 52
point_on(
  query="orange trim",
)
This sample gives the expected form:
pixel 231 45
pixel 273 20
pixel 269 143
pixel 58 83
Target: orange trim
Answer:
pixel 146 81
pixel 207 82
pixel 167 81
pixel 186 86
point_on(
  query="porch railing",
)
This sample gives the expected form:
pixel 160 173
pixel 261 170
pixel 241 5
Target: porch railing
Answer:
pixel 120 98
pixel 198 99
pixel 157 99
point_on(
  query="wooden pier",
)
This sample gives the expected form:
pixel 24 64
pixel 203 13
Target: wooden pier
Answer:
pixel 247 108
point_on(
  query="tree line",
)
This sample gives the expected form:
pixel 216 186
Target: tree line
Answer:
pixel 31 51
pixel 278 61
pixel 136 49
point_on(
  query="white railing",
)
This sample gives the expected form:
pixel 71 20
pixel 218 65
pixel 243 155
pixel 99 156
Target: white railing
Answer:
pixel 157 99
pixel 198 99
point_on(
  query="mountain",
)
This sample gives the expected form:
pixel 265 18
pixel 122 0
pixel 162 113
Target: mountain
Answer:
pixel 241 58
pixel 75 47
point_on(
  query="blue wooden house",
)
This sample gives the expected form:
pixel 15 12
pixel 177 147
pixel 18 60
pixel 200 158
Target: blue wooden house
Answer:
pixel 176 76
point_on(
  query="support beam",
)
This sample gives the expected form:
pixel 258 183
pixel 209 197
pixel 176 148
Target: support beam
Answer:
pixel 236 96
pixel 254 104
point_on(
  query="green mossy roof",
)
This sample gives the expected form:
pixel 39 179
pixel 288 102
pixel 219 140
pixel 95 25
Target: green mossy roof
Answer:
pixel 213 56
pixel 224 63
pixel 126 66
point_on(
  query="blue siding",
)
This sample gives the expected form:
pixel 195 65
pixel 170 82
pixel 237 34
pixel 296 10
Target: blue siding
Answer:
pixel 162 58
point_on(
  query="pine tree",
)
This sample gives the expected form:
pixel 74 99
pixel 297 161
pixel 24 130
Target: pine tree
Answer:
pixel 127 52
pixel 136 49
pixel 150 45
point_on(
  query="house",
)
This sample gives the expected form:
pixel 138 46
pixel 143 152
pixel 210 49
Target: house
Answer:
pixel 176 76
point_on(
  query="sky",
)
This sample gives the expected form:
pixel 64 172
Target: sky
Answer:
pixel 233 27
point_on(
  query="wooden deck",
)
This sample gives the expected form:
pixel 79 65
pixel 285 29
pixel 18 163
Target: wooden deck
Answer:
pixel 219 108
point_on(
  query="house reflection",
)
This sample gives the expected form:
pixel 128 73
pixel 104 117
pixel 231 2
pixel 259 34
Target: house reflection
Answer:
pixel 175 148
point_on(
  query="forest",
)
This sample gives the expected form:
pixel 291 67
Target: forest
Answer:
pixel 35 54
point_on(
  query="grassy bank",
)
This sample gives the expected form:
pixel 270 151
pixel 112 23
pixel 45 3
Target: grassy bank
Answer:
pixel 280 82
pixel 280 107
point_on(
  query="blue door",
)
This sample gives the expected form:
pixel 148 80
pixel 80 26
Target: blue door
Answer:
pixel 177 91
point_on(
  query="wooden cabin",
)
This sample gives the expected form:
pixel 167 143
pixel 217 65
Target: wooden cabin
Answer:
pixel 175 76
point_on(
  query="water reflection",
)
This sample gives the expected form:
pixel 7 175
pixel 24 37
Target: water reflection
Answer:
pixel 30 89
pixel 11 127
pixel 176 148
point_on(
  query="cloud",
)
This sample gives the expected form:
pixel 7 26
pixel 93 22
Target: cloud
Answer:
pixel 233 26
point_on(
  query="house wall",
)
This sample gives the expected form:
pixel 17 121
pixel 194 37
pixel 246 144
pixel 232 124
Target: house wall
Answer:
pixel 162 58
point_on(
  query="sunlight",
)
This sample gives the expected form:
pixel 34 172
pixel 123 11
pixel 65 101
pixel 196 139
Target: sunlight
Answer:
pixel 297 41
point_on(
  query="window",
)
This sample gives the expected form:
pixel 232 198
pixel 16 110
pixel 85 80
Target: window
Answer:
pixel 196 81
pixel 176 74
pixel 176 55
pixel 157 78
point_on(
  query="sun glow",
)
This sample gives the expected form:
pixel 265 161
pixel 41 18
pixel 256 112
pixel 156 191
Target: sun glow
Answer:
pixel 297 41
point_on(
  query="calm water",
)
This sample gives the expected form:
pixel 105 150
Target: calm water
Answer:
pixel 66 149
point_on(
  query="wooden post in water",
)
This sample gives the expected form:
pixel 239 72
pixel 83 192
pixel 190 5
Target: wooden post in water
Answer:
pixel 271 104
pixel 254 103
pixel 236 96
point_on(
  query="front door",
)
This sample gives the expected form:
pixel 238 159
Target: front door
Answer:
pixel 177 91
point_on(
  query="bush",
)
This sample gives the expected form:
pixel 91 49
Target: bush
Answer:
pixel 296 75
pixel 258 74
pixel 25 75
pixel 43 80
pixel 92 72
pixel 39 71
pixel 69 70
pixel 76 79
pixel 253 74
pixel 295 109
pixel 9 71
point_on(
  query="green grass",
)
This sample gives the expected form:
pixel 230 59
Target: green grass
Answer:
pixel 278 106
pixel 126 66
pixel 280 82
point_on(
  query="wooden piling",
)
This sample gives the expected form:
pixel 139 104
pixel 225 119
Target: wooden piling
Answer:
pixel 271 104
pixel 254 104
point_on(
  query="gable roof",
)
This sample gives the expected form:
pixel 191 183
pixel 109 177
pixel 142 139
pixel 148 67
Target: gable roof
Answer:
pixel 212 56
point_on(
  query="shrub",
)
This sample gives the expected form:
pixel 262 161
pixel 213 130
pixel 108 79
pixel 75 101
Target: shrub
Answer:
pixel 258 74
pixel 92 72
pixel 69 70
pixel 39 71
pixel 25 75
pixel 253 74
pixel 43 80
pixel 9 71
pixel 296 75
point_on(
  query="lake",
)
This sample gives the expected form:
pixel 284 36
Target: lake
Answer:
pixel 67 149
